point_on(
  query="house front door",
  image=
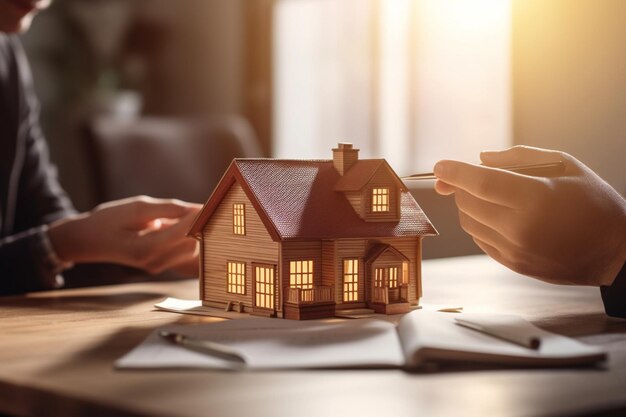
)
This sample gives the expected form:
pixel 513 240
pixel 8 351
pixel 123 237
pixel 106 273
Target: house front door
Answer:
pixel 264 287
pixel 387 278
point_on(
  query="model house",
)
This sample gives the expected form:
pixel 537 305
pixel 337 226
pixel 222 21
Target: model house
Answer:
pixel 301 239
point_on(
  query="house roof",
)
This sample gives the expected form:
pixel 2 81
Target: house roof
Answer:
pixel 297 200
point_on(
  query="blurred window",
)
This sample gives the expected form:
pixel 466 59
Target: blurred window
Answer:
pixel 411 81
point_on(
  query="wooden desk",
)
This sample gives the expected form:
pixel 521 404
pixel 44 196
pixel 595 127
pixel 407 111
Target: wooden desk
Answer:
pixel 57 350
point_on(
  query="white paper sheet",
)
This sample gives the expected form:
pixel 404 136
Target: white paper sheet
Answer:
pixel 274 344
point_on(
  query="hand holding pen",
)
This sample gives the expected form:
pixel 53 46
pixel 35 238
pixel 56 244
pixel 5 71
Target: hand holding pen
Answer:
pixel 568 228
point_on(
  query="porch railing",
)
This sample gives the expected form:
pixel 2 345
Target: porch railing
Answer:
pixel 381 294
pixel 404 292
pixel 309 295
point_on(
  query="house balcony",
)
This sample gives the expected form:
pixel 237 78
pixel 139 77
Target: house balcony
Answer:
pixel 310 303
pixel 386 300
pixel 309 295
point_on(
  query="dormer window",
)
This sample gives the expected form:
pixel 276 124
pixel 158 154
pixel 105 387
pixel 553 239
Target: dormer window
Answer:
pixel 239 219
pixel 380 200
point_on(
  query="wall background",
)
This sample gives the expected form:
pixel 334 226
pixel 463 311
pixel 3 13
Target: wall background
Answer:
pixel 568 72
pixel 569 81
pixel 192 65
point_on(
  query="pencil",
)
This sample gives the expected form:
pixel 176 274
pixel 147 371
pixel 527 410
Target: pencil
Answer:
pixel 500 332
pixel 551 168
pixel 204 346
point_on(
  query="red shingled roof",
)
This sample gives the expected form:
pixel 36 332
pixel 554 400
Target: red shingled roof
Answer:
pixel 297 200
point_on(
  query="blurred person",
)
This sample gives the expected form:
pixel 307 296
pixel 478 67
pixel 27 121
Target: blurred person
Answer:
pixel 563 229
pixel 41 234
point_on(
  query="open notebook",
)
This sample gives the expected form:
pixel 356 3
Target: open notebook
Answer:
pixel 420 337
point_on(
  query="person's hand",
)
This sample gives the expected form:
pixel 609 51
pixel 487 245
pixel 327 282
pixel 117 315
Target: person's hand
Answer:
pixel 566 229
pixel 142 232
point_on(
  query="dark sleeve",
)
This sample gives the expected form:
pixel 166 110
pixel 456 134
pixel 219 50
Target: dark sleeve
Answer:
pixel 32 194
pixel 40 197
pixel 24 266
pixel 614 297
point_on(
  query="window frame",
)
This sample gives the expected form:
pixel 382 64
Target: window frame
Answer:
pixel 239 219
pixel 236 278
pixel 351 286
pixel 265 288
pixel 380 199
pixel 302 277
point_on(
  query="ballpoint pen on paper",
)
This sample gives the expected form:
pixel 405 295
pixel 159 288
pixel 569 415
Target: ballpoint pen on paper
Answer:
pixel 551 168
pixel 502 332
pixel 203 346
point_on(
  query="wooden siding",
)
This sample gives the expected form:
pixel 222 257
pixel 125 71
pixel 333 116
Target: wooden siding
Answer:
pixel 410 247
pixel 383 178
pixel 350 249
pixel 300 251
pixel 201 269
pixel 328 264
pixel 342 249
pixel 355 198
pixel 418 271
pixel 221 245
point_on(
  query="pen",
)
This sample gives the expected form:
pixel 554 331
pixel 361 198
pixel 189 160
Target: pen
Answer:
pixel 203 346
pixel 551 168
pixel 501 332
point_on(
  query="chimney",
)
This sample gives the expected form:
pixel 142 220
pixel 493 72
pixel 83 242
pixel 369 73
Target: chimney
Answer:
pixel 344 156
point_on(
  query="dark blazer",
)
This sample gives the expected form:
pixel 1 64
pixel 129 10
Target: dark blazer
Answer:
pixel 30 194
pixel 614 297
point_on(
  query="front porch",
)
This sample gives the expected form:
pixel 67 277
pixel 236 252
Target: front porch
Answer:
pixel 309 303
pixel 390 300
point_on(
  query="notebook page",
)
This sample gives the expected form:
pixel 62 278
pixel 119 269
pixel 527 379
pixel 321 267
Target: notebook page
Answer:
pixel 275 344
pixel 435 335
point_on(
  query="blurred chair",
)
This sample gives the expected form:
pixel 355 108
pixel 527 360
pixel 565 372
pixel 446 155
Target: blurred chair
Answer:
pixel 165 157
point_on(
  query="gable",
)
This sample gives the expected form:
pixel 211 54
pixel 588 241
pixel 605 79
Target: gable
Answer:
pixel 296 200
pixel 364 172
pixel 231 178
pixel 367 185
pixel 386 253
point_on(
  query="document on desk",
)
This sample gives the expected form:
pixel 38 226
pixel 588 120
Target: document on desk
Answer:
pixel 420 337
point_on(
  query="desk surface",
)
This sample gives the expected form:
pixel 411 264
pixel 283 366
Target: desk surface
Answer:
pixel 57 350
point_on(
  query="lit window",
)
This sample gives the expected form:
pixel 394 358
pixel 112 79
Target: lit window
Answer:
pixel 239 219
pixel 351 280
pixel 236 277
pixel 379 278
pixel 386 277
pixel 393 277
pixel 405 273
pixel 380 200
pixel 264 286
pixel 301 274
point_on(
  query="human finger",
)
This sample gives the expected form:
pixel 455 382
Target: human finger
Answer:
pixel 443 188
pixel 177 229
pixel 483 232
pixel 157 243
pixel 181 252
pixel 144 210
pixel 520 154
pixel 490 214
pixel 490 184
pixel 490 250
